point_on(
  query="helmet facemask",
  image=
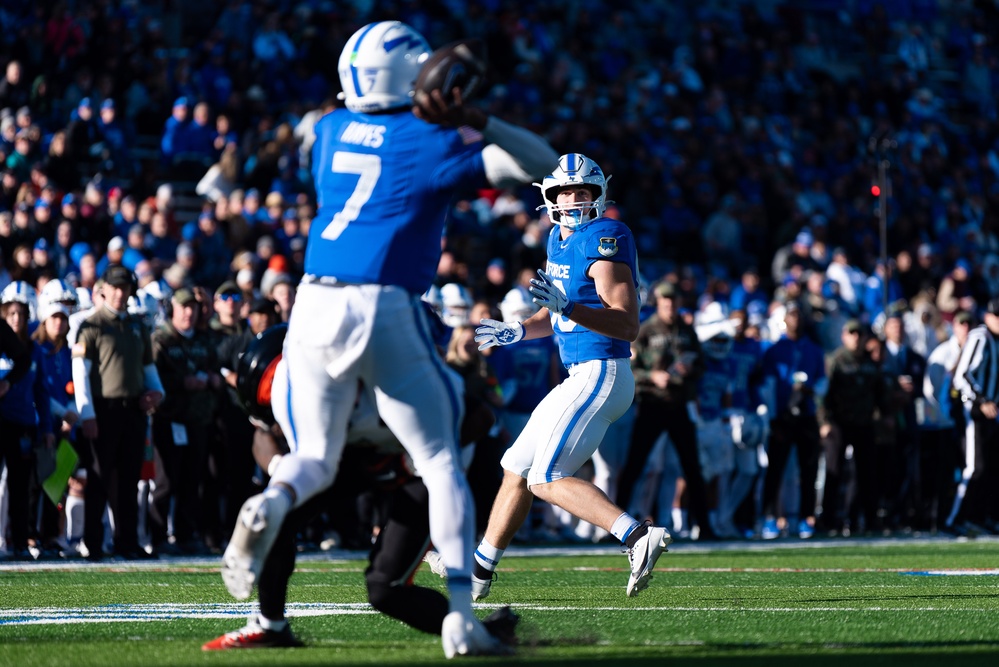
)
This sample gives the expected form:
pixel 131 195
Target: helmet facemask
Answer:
pixel 574 169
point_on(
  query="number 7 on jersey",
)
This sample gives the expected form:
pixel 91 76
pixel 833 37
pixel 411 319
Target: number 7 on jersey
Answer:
pixel 368 168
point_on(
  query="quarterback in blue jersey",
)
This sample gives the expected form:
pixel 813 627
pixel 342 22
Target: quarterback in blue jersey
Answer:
pixel 590 304
pixel 385 172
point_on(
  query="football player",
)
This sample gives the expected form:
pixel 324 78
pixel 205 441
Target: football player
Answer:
pixel 385 172
pixel 373 459
pixel 714 398
pixel 590 304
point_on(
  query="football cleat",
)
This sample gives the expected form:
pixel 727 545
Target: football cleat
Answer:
pixel 480 587
pixel 643 557
pixel 256 529
pixel 805 530
pixel 464 634
pixel 770 531
pixel 436 563
pixel 502 624
pixel 253 635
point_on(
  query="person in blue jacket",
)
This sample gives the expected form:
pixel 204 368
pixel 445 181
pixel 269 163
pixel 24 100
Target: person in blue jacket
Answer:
pixel 25 419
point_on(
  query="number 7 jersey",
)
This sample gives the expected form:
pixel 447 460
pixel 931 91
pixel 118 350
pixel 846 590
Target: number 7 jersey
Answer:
pixel 384 184
pixel 569 260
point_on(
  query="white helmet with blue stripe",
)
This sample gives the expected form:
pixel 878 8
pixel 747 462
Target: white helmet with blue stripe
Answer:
pixel 20 292
pixel 59 291
pixel 379 65
pixel 574 169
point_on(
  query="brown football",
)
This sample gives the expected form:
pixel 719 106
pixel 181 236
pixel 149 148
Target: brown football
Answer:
pixel 460 65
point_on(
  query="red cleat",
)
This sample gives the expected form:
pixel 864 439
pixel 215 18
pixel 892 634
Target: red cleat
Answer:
pixel 254 636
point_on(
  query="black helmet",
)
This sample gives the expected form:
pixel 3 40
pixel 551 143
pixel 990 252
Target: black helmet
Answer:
pixel 255 372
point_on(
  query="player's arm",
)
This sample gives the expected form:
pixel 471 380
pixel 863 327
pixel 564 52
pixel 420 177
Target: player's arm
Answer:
pixel 618 318
pixel 513 155
pixel 538 325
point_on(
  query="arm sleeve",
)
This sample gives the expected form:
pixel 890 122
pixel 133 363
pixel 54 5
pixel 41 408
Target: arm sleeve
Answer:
pixel 515 155
pixel 81 387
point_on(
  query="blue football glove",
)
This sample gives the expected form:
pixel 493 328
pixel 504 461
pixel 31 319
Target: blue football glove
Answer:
pixel 494 332
pixel 547 294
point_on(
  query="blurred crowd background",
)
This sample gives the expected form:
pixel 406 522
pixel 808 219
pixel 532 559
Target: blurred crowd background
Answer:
pixel 173 137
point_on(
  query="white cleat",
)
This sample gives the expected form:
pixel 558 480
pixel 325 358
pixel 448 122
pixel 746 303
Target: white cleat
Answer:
pixel 436 563
pixel 480 587
pixel 258 526
pixel 465 635
pixel 643 558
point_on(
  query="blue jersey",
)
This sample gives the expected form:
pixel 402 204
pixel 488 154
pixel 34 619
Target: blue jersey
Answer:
pixel 528 365
pixel 569 260
pixel 713 386
pixel 384 184
pixel 27 400
pixel 747 357
pixel 785 358
pixel 57 373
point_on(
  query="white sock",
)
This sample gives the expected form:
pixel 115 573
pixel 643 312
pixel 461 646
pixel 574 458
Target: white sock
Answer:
pixel 74 518
pixel 623 526
pixel 268 624
pixel 280 495
pixel 488 556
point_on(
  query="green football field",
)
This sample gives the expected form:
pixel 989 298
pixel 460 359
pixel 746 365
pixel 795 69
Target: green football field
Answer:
pixel 907 602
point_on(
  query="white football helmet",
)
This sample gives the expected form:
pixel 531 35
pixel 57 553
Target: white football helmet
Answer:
pixel 715 330
pixel 433 297
pixel 85 299
pixel 517 305
pixel 457 304
pixel 574 169
pixel 146 307
pixel 59 291
pixel 379 65
pixel 21 292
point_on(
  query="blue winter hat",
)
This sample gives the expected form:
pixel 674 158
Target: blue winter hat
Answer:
pixel 180 102
pixel 78 250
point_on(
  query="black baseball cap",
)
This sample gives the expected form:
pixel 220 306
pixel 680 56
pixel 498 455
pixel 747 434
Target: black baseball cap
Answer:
pixel 992 307
pixel 265 306
pixel 117 275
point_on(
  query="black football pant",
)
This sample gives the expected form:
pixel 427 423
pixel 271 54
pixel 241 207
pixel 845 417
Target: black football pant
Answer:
pixel 395 556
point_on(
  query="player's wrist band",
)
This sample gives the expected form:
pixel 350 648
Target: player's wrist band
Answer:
pixel 568 308
pixel 272 466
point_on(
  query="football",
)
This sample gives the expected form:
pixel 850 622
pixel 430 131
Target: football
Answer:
pixel 460 64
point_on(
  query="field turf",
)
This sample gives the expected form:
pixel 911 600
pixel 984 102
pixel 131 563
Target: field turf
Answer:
pixel 906 602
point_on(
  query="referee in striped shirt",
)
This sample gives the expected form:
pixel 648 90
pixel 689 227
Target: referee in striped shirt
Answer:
pixel 977 379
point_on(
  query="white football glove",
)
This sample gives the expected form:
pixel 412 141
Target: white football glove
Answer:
pixel 494 332
pixel 548 295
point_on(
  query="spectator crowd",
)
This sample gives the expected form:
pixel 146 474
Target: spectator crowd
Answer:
pixel 744 138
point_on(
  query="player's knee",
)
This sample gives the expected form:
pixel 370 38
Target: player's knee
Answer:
pixel 380 593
